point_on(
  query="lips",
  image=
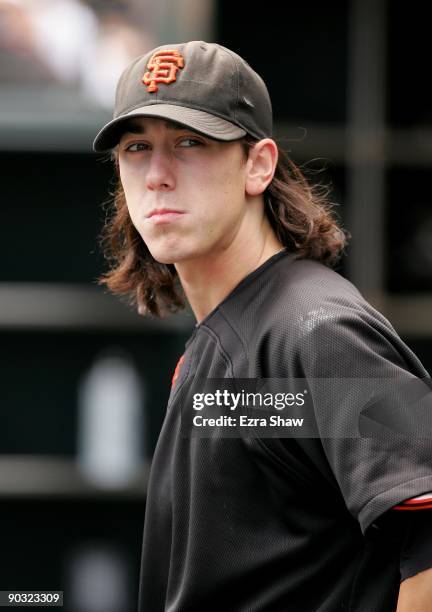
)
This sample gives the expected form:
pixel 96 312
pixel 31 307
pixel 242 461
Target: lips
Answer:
pixel 163 211
pixel 162 216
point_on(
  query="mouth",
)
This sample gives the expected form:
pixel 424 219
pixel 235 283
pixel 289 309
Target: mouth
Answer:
pixel 163 215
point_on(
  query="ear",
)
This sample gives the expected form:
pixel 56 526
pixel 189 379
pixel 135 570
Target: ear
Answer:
pixel 260 166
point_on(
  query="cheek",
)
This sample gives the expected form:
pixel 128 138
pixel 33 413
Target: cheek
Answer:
pixel 219 208
pixel 130 184
pixel 127 180
pixel 223 184
pixel 232 182
pixel 228 194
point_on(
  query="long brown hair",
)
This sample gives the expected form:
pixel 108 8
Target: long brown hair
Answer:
pixel 299 212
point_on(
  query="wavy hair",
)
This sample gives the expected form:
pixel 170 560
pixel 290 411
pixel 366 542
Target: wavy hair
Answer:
pixel 299 212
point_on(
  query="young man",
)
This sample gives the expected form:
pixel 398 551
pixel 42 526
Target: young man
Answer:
pixel 239 518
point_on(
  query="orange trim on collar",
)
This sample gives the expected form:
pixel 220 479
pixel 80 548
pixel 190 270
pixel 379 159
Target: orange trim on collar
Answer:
pixel 177 371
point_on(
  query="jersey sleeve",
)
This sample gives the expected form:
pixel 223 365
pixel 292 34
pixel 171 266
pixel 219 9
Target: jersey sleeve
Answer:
pixel 416 553
pixel 372 409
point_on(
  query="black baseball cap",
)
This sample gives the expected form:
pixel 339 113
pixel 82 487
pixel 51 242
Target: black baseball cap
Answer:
pixel 203 86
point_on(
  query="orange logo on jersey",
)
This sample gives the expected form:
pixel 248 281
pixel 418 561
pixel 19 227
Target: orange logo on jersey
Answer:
pixel 162 68
pixel 177 371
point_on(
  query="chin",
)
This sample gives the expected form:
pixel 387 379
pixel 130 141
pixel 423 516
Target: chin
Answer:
pixel 169 256
pixel 164 260
pixel 176 251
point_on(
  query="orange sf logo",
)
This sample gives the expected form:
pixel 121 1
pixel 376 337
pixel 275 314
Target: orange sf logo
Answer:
pixel 162 68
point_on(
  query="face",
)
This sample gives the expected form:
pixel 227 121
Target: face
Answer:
pixel 185 193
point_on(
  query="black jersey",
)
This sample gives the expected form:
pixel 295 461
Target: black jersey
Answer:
pixel 249 523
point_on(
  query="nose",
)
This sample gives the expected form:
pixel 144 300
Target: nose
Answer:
pixel 160 172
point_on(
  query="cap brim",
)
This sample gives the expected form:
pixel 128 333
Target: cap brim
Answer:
pixel 199 121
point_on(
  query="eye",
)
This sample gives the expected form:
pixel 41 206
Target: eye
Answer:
pixel 189 142
pixel 136 146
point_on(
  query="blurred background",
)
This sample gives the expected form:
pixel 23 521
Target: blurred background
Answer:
pixel 85 379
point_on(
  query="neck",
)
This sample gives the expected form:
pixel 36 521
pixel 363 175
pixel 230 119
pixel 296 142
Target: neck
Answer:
pixel 208 280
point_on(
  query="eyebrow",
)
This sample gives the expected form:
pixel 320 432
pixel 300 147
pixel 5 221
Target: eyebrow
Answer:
pixel 137 128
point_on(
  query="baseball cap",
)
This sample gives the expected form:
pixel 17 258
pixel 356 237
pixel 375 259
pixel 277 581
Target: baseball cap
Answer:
pixel 203 86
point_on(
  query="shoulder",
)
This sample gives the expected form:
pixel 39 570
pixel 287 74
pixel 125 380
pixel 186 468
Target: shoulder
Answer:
pixel 306 295
pixel 294 296
pixel 336 330
pixel 288 285
pixel 304 282
pixel 301 312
